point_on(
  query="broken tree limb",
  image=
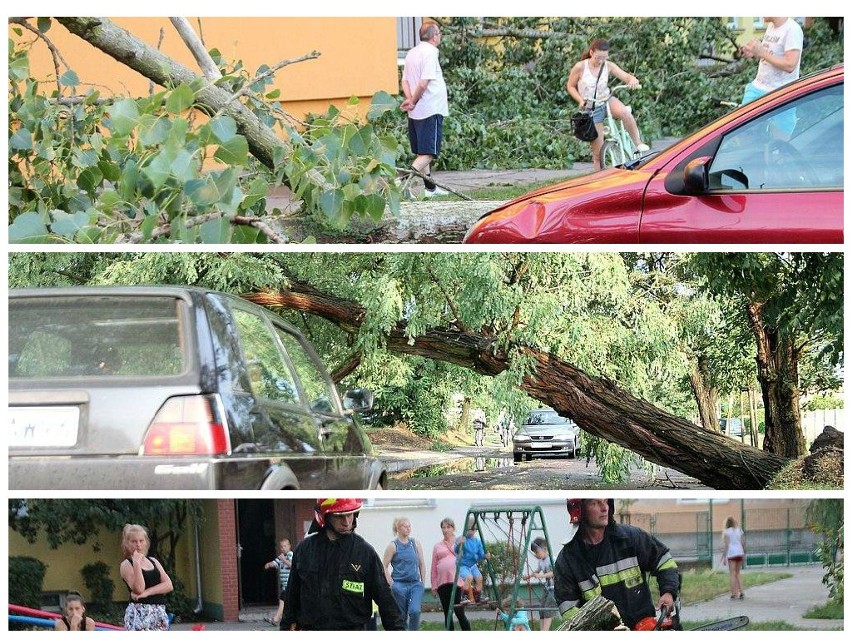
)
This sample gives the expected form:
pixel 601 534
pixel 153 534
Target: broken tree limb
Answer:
pixel 598 405
pixel 598 614
pixel 196 47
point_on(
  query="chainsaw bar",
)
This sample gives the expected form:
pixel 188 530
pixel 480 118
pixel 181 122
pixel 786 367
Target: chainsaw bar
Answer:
pixel 726 624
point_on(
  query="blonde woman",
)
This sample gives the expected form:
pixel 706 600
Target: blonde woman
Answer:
pixel 146 580
pixel 733 554
pixel 404 568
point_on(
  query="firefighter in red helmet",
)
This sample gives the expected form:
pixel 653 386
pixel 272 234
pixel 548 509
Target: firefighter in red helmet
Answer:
pixel 335 575
pixel 613 560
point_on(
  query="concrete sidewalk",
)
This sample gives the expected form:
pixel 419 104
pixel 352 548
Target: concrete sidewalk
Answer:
pixel 783 600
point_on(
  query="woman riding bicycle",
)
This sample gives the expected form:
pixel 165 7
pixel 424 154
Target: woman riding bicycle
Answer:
pixel 593 70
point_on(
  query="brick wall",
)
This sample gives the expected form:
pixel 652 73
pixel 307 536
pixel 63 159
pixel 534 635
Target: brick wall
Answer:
pixel 228 559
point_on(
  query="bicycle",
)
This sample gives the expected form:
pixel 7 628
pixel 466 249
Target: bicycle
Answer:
pixel 618 147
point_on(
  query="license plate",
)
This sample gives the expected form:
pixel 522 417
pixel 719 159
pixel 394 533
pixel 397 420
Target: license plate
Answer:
pixel 49 426
pixel 541 446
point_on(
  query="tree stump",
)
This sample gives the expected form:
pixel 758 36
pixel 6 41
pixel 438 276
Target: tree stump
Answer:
pixel 598 614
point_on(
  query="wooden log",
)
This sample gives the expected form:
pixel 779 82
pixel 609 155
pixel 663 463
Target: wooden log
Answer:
pixel 598 614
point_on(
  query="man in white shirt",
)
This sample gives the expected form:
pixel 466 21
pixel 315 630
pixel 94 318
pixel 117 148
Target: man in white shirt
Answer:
pixel 425 102
pixel 780 55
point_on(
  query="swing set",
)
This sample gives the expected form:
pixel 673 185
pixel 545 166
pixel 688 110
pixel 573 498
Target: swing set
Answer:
pixel 511 529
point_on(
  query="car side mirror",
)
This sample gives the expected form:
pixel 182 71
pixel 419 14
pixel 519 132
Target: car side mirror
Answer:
pixel 696 177
pixel 358 400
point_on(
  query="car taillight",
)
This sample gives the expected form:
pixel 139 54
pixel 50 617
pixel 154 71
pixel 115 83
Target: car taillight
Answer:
pixel 187 426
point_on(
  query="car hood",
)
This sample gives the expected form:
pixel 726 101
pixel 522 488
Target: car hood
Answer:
pixel 547 429
pixel 592 205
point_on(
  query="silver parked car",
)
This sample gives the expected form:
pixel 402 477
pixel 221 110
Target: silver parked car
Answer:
pixel 173 388
pixel 546 433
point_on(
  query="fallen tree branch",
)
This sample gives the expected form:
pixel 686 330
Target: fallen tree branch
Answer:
pixel 196 47
pixel 274 236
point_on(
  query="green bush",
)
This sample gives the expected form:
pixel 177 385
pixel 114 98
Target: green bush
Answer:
pixel 100 588
pixel 26 581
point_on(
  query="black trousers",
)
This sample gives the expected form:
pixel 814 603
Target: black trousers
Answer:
pixel 444 592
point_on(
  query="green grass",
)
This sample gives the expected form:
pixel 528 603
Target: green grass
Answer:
pixel 756 625
pixel 475 624
pixel 831 610
pixel 701 585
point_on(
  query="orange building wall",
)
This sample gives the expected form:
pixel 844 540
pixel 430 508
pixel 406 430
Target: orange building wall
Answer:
pixel 358 55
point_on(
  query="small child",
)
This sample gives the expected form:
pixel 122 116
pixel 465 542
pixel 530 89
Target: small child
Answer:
pixel 282 562
pixel 75 615
pixel 544 571
pixel 521 620
pixel 472 551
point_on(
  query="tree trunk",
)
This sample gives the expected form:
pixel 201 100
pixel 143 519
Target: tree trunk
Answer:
pixel 778 374
pixel 597 405
pixel 706 395
pixel 120 44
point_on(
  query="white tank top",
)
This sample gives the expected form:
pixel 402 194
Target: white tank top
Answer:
pixel 735 542
pixel 586 85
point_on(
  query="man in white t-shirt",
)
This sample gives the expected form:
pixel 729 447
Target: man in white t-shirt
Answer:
pixel 780 55
pixel 425 102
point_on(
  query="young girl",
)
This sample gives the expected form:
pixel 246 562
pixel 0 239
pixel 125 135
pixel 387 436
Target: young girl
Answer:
pixel 146 580
pixel 733 554
pixel 75 615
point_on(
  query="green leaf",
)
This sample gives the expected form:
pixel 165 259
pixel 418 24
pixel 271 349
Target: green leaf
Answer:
pixel 110 170
pixel 67 225
pixel 108 199
pixel 361 141
pixel 153 130
pixel 124 116
pixel 353 100
pixel 375 206
pixel 90 179
pixel 21 140
pixel 180 99
pixel 214 231
pixel 69 79
pixel 129 180
pixel 43 24
pixel 234 152
pixel 331 203
pixel 381 103
pixel 19 68
pixel 28 228
pixel 158 169
pixel 257 191
pixel 224 128
pixel 273 95
pixel 183 166
pixel 202 192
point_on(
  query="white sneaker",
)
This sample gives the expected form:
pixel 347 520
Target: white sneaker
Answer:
pixel 642 148
pixel 437 192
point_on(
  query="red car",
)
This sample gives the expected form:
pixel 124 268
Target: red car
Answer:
pixel 768 172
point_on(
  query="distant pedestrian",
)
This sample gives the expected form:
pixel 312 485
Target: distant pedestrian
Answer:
pixel 404 567
pixel 733 554
pixel 425 102
pixel 479 429
pixel 444 573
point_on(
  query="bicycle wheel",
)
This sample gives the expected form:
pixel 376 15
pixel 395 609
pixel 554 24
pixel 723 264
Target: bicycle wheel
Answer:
pixel 611 155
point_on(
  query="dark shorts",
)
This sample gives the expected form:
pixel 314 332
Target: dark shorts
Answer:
pixel 737 558
pixel 425 135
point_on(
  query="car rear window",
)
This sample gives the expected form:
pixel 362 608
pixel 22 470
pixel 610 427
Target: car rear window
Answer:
pixel 83 336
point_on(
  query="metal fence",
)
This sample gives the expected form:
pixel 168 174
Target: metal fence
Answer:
pixel 773 536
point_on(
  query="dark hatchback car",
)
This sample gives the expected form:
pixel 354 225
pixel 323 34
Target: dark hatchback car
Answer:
pixel 770 171
pixel 546 433
pixel 173 388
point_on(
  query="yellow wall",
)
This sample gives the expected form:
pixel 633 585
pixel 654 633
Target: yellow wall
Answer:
pixel 65 562
pixel 358 55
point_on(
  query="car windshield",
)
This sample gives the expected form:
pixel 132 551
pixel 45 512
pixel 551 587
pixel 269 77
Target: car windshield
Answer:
pixel 94 336
pixel 546 417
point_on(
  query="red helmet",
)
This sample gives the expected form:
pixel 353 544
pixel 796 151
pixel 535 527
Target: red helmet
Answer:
pixel 334 506
pixel 575 510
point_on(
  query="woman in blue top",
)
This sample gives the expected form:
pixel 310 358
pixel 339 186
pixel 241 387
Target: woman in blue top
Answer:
pixel 405 567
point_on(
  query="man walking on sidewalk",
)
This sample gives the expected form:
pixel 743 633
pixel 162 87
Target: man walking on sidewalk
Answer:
pixel 425 102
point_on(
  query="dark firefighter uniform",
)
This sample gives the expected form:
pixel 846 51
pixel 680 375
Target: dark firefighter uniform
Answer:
pixel 333 585
pixel 616 568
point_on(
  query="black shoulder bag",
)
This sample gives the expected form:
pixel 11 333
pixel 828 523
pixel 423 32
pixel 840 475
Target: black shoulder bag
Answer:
pixel 582 122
